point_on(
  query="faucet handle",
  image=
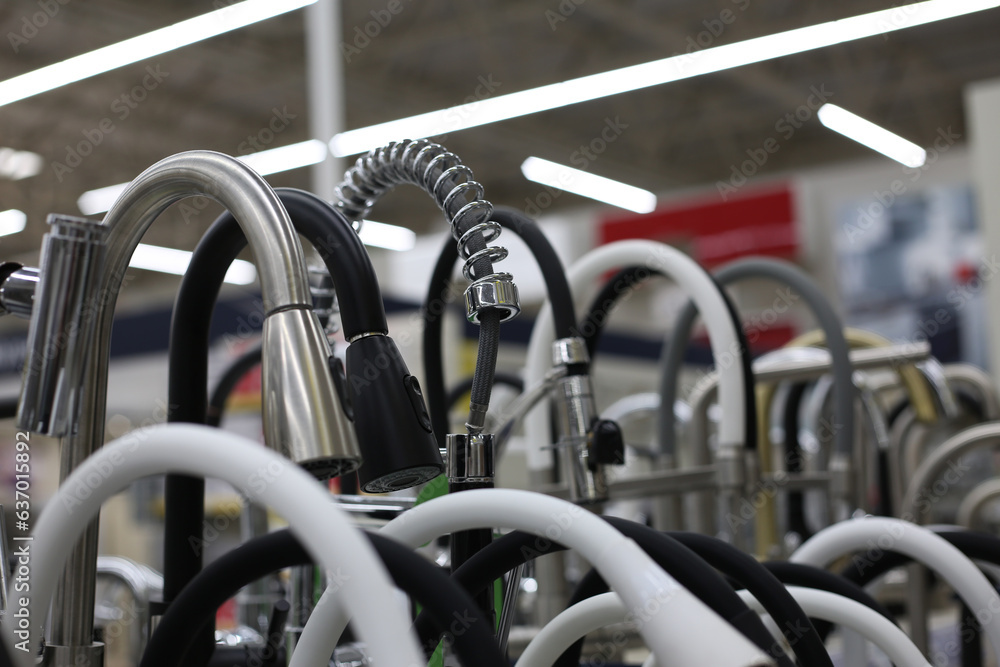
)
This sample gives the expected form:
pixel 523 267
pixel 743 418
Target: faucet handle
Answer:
pixel 607 444
pixel 64 316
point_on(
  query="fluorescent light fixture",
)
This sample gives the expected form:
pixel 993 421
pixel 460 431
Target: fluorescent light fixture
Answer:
pixel 387 236
pixel 286 158
pixel 100 200
pixel 871 135
pixel 170 260
pixel 15 165
pixel 654 73
pixel 12 221
pixel 144 46
pixel 272 161
pixel 588 185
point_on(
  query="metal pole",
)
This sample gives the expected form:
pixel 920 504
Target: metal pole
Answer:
pixel 325 74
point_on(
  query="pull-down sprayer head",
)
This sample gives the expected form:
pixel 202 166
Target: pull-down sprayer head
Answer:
pixel 390 417
pixel 304 415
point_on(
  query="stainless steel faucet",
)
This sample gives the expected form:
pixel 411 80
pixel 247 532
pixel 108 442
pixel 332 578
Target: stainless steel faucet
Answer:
pixel 576 415
pixel 71 260
pixel 303 415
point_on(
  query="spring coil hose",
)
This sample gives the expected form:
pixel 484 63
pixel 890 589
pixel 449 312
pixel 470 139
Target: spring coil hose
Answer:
pixel 491 298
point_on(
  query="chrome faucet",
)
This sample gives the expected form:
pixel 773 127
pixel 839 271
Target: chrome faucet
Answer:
pixel 62 309
pixel 583 470
pixel 303 417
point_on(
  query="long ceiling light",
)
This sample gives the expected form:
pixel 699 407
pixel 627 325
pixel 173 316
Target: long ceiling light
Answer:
pixel 871 135
pixel 382 235
pixel 145 46
pixel 173 261
pixel 15 165
pixel 12 221
pixel 100 200
pixel 285 158
pixel 589 185
pixel 303 154
pixel 272 161
pixel 654 73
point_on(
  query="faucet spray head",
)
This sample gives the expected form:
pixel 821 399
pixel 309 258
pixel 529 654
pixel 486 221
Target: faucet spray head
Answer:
pixel 296 376
pixel 390 417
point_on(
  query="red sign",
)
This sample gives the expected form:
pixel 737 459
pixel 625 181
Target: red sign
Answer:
pixel 715 232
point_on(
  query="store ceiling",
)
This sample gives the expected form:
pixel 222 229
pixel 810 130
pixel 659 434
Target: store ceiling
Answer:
pixel 436 53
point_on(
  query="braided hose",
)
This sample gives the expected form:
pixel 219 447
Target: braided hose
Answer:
pixel 491 298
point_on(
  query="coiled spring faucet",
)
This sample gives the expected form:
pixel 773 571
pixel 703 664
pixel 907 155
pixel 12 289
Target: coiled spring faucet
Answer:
pixel 492 297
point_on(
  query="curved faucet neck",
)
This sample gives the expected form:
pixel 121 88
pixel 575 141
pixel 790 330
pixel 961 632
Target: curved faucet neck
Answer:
pixel 277 253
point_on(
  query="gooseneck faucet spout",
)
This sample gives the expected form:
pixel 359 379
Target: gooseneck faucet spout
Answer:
pixel 302 407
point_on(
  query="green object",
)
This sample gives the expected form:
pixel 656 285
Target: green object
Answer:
pixel 497 603
pixel 436 488
pixel 437 658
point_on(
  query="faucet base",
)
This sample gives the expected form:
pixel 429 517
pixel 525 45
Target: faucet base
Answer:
pixel 67 656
